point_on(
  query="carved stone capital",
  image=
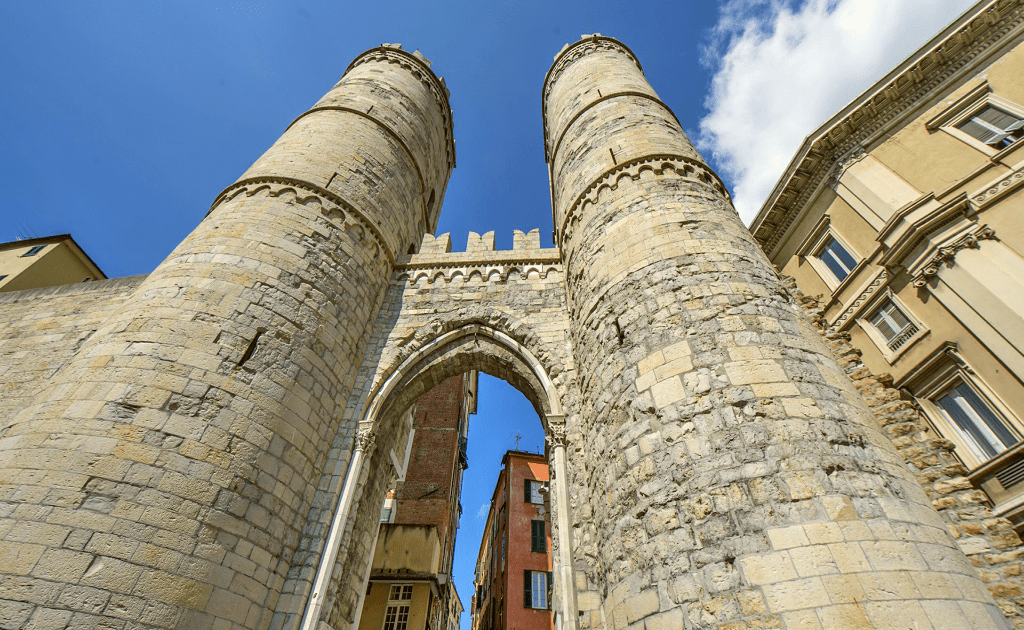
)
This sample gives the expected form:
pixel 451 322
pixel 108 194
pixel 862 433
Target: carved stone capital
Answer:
pixel 947 255
pixel 365 440
pixel 556 435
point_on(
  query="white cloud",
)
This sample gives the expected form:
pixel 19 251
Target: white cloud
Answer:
pixel 482 512
pixel 781 69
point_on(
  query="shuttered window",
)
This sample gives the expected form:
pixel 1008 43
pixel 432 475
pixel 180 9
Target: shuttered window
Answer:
pixel 994 127
pixel 538 536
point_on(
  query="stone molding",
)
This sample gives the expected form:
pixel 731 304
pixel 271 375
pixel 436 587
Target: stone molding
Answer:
pixel 846 317
pixel 588 106
pixel 420 68
pixel 376 121
pixel 851 158
pixel 686 167
pixel 876 110
pixel 277 185
pixel 487 271
pixel 946 255
pixel 1000 187
pixel 587 44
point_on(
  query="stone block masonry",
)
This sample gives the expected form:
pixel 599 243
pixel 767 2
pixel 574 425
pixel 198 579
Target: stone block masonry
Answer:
pixel 743 480
pixel 209 446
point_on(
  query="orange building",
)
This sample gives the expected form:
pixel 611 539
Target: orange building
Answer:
pixel 513 569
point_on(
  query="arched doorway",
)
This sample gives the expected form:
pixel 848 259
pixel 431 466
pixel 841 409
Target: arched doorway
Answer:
pixel 375 465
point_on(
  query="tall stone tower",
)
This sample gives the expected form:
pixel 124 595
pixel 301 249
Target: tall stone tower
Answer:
pixel 165 475
pixel 727 470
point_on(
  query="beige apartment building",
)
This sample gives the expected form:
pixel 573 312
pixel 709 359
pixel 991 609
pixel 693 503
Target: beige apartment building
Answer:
pixel 45 262
pixel 904 213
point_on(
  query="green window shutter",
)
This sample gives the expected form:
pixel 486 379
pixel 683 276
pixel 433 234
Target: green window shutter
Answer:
pixel 526 490
pixel 527 593
pixel 549 590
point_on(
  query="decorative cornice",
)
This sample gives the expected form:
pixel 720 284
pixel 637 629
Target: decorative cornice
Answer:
pixel 588 44
pixel 846 316
pixel 946 255
pixel 1000 187
pixel 963 43
pixel 251 185
pixel 488 271
pixel 420 69
pixel 365 440
pixel 687 167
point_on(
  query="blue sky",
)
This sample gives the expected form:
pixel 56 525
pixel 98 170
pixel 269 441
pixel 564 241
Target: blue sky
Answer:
pixel 120 122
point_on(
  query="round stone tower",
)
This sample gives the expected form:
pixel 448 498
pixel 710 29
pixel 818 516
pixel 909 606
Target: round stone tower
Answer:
pixel 725 471
pixel 165 475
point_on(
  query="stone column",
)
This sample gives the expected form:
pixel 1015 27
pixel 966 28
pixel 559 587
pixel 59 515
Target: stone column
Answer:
pixel 165 475
pixel 566 585
pixel 728 474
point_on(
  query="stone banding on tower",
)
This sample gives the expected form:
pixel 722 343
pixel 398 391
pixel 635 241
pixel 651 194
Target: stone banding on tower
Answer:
pixel 725 471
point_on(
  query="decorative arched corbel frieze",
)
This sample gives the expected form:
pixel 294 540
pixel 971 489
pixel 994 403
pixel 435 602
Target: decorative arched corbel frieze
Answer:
pixel 946 255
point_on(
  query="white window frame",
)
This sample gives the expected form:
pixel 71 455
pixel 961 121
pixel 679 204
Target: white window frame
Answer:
pixel 398 607
pixel 539 596
pixel 885 345
pixel 815 243
pixel 950 120
pixel 945 370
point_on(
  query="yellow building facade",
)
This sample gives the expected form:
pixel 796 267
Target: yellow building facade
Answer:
pixel 904 214
pixel 45 262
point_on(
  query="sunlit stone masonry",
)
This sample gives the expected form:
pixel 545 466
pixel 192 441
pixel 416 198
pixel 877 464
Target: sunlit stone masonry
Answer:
pixel 209 446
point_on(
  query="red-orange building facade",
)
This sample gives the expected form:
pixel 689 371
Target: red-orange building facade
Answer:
pixel 513 571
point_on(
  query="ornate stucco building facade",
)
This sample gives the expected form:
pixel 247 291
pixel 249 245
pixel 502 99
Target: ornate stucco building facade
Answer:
pixel 905 213
pixel 209 446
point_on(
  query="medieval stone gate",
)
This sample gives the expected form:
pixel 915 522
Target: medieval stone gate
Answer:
pixel 213 455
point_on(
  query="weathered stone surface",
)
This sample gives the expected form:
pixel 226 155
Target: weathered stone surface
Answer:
pixel 185 453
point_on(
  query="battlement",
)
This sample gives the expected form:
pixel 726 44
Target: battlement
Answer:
pixel 437 260
pixel 435 251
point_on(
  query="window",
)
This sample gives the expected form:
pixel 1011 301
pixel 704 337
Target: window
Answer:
pixel 892 324
pixel 400 592
pixel 985 431
pixel 3 277
pixel 993 126
pixel 982 119
pixel 836 258
pixel 537 589
pixel 396 615
pixel 533 491
pixel 33 251
pixel 538 536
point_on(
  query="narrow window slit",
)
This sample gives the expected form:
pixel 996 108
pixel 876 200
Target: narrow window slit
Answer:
pixel 251 350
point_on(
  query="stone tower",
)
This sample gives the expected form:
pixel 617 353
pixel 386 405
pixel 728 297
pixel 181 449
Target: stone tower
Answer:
pixel 169 468
pixel 729 471
pixel 214 451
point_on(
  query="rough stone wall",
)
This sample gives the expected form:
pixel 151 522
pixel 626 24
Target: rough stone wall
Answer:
pixel 727 471
pixel 43 328
pixel 988 541
pixel 165 474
